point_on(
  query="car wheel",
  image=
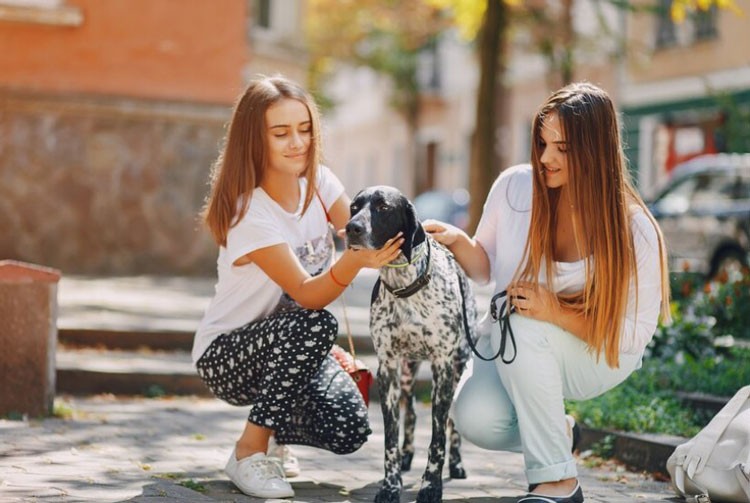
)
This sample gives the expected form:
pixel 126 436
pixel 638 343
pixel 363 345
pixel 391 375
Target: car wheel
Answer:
pixel 729 264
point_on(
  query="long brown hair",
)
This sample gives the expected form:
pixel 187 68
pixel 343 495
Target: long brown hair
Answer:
pixel 603 194
pixel 242 162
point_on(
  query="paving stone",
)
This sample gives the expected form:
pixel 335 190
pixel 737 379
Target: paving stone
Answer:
pixel 160 450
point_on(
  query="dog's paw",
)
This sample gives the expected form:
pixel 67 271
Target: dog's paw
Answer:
pixel 406 459
pixel 457 471
pixel 388 495
pixel 432 493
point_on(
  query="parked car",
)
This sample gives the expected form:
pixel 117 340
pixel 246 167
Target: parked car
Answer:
pixel 704 213
pixel 447 206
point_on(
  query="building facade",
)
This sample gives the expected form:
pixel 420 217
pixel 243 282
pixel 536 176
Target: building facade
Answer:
pixel 686 90
pixel 112 112
pixel 111 115
pixel 683 88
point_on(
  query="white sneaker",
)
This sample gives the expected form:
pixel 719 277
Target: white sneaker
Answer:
pixel 258 476
pixel 284 456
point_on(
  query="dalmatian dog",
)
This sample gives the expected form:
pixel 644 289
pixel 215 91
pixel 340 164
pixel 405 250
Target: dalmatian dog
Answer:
pixel 421 309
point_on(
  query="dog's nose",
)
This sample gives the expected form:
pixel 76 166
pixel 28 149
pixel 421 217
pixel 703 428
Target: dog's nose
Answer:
pixel 354 228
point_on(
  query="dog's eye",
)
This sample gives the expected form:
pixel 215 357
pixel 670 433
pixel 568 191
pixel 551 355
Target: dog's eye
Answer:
pixel 382 206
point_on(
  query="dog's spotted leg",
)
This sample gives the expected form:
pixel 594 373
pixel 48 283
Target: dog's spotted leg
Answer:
pixel 455 464
pixel 408 377
pixel 390 395
pixel 442 393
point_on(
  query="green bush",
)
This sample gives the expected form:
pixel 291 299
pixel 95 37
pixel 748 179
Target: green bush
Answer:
pixel 641 404
pixel 688 335
pixel 721 375
pixel 684 356
pixel 703 315
pixel 727 301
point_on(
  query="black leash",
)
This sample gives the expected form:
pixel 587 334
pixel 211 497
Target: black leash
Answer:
pixel 502 318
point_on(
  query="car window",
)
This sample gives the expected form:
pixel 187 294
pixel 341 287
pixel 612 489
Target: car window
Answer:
pixel 713 190
pixel 705 191
pixel 742 188
pixel 677 199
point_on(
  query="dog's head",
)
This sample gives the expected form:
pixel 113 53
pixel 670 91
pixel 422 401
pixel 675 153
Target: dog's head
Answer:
pixel 378 214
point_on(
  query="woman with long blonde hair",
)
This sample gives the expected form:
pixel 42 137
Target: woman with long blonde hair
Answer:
pixel 265 338
pixel 581 264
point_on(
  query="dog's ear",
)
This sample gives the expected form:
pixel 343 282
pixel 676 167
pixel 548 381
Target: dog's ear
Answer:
pixel 413 231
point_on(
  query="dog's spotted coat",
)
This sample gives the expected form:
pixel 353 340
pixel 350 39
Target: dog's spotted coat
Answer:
pixel 427 325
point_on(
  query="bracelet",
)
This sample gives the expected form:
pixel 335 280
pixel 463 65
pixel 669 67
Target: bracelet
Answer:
pixel 339 283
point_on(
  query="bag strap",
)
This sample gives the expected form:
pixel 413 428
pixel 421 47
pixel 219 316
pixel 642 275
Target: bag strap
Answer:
pixel 679 483
pixel 704 442
pixel 328 217
pixel 343 302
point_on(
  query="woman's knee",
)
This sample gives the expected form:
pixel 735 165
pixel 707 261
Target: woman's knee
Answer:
pixel 354 437
pixel 484 426
pixel 350 445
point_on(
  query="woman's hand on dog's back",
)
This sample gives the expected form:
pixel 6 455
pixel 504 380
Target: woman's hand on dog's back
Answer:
pixel 442 232
pixel 468 252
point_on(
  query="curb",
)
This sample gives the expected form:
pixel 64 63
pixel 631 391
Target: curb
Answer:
pixel 642 452
pixel 703 401
pixel 166 340
pixel 87 382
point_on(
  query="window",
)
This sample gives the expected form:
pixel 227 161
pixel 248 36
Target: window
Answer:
pixel 665 28
pixel 699 26
pixel 262 13
pixel 428 67
pixel 49 12
pixel 704 24
pixel 275 19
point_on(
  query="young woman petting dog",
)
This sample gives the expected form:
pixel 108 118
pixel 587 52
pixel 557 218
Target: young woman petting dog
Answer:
pixel 264 340
pixel 584 266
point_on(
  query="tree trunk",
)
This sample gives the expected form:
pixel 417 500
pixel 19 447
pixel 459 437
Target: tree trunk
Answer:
pixel 567 62
pixel 485 158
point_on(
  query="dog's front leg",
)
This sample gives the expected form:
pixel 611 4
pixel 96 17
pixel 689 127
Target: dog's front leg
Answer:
pixel 390 394
pixel 408 380
pixel 442 393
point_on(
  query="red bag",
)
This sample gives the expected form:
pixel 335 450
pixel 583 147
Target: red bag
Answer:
pixel 356 369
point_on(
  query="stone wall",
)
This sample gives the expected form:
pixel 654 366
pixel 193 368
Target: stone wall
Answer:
pixel 107 186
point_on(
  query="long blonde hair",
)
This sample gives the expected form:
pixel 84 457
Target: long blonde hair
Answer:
pixel 602 192
pixel 240 166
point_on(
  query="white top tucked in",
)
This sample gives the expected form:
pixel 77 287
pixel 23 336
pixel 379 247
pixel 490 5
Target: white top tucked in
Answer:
pixel 245 293
pixel 503 231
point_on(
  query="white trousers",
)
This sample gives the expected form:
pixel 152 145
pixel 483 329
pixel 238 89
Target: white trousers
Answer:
pixel 519 406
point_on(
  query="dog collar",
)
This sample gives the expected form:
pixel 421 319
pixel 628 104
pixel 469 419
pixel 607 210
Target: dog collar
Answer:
pixel 417 284
pixel 413 260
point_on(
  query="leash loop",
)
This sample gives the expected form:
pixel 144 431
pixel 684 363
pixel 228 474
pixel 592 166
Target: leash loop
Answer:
pixel 502 316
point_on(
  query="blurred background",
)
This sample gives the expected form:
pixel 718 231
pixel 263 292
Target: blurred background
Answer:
pixel 112 111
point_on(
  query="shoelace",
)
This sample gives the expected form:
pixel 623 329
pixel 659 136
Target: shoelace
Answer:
pixel 280 452
pixel 267 469
pixel 502 317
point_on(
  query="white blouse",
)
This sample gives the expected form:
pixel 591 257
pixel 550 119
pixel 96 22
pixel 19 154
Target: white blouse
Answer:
pixel 503 230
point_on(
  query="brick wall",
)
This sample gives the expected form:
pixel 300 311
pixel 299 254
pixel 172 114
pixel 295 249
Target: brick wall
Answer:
pixel 106 186
pixel 189 50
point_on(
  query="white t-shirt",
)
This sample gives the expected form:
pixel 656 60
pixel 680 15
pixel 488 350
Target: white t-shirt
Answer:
pixel 503 230
pixel 245 293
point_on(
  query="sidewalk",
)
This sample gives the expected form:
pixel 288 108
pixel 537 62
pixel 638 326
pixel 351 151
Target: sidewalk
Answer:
pixel 160 450
pixel 173 449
